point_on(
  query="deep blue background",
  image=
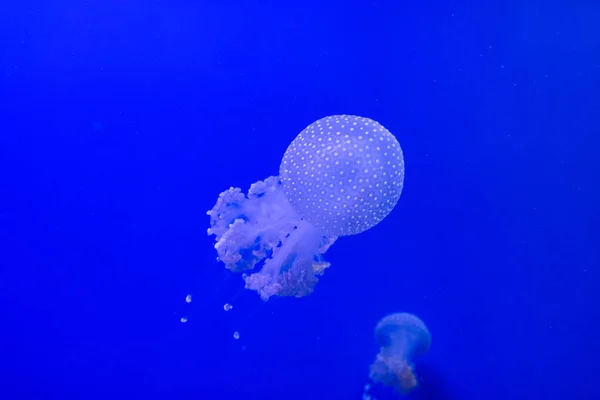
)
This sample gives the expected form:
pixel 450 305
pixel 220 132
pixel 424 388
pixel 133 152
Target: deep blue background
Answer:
pixel 121 121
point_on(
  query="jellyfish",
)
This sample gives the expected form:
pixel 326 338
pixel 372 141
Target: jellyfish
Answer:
pixel 402 337
pixel 340 176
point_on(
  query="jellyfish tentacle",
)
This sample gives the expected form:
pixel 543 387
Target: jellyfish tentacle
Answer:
pixel 263 228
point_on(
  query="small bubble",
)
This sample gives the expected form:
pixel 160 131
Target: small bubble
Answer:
pixel 227 307
pixel 236 335
pixel 188 298
pixel 183 320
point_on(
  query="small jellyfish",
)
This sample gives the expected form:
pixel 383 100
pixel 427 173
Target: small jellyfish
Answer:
pixel 340 176
pixel 188 298
pixel 183 320
pixel 227 307
pixel 402 337
pixel 236 335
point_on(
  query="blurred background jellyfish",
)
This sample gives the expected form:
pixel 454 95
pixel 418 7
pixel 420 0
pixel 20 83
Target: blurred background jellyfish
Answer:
pixel 340 176
pixel 402 337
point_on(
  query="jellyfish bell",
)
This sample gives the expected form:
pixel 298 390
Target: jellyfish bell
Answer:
pixel 402 337
pixel 343 174
pixel 404 334
pixel 340 176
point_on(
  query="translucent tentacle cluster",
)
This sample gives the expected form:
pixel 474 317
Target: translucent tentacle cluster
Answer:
pixel 264 228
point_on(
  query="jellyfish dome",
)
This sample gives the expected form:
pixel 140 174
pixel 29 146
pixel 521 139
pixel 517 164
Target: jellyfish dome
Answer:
pixel 343 174
pixel 402 337
pixel 340 176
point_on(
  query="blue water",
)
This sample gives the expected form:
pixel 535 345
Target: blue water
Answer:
pixel 121 122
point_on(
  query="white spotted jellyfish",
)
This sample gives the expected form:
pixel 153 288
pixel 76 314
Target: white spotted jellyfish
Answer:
pixel 340 176
pixel 401 337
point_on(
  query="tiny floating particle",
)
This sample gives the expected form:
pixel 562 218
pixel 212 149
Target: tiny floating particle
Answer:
pixel 236 335
pixel 227 307
pixel 188 298
pixel 183 320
